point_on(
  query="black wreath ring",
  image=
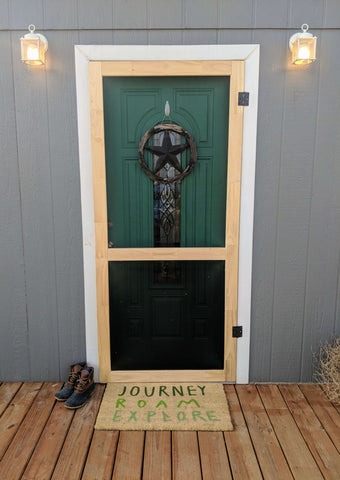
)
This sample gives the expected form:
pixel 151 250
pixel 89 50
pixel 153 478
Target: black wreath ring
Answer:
pixel 169 155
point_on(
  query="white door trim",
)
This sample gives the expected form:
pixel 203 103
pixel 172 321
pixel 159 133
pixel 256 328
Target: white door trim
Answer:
pixel 250 55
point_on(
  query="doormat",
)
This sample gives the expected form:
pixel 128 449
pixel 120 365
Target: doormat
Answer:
pixel 170 406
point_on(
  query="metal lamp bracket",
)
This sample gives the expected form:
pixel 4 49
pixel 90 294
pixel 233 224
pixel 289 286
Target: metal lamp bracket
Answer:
pixel 36 36
pixel 303 34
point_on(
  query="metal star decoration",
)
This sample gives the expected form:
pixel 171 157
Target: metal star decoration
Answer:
pixel 167 153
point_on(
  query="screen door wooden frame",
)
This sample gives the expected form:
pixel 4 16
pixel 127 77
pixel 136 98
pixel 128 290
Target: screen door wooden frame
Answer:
pixel 229 253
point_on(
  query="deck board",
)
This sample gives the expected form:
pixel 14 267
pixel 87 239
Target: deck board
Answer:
pixel 280 431
pixel 46 453
pixel 24 442
pixel 129 459
pixel 74 452
pixel 15 413
pixel 185 456
pixel 157 445
pixel 319 443
pixel 298 456
pixel 242 457
pixel 324 410
pixel 213 454
pixel 268 451
pixel 7 392
pixel 100 460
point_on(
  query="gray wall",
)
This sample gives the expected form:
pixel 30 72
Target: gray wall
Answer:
pixel 295 299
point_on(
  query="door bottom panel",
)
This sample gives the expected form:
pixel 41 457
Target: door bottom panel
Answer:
pixel 167 315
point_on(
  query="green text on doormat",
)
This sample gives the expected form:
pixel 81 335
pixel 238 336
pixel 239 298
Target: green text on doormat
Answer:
pixel 155 406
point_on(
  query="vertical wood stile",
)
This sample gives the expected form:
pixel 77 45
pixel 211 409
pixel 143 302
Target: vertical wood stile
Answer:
pixel 233 215
pixel 100 216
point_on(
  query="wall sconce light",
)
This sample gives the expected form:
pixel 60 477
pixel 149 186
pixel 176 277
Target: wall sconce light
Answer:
pixel 33 47
pixel 303 46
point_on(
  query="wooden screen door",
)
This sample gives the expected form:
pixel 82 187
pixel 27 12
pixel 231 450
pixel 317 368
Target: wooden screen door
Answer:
pixel 166 253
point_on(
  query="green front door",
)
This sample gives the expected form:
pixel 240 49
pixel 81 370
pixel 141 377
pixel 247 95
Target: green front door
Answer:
pixel 166 315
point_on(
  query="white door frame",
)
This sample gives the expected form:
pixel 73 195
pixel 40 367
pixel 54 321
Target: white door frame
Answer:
pixel 250 55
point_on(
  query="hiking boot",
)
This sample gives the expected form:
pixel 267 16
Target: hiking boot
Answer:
pixel 82 390
pixel 74 374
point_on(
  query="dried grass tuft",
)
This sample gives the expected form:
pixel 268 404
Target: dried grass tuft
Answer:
pixel 327 362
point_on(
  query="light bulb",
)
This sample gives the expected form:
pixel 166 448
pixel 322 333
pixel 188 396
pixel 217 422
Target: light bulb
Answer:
pixel 33 53
pixel 304 53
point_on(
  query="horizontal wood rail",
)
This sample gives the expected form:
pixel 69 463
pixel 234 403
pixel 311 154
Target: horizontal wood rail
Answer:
pixel 132 68
pixel 158 254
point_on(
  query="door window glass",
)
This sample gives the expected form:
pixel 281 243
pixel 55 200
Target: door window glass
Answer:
pixel 186 213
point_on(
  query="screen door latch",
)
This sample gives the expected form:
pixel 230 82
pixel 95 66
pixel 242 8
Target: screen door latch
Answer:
pixel 237 332
pixel 243 99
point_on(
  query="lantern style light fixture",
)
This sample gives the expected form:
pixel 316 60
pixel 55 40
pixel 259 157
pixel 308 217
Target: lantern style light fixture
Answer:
pixel 303 46
pixel 33 47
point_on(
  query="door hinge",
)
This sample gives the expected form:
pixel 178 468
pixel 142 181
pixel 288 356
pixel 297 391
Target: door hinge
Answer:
pixel 237 332
pixel 243 99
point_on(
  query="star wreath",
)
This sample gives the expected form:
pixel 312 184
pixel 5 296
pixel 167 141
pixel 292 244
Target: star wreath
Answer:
pixel 167 152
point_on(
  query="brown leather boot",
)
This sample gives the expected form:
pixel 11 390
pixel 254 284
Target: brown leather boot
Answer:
pixel 82 390
pixel 74 374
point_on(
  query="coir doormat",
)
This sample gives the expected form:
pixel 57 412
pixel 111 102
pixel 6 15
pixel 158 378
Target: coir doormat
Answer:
pixel 170 406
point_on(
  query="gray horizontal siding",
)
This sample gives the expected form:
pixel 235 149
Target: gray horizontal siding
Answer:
pixel 164 14
pixel 296 272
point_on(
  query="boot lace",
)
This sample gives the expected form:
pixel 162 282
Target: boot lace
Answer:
pixel 73 378
pixel 81 383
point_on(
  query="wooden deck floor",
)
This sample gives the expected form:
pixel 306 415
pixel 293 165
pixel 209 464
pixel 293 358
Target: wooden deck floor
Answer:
pixel 281 432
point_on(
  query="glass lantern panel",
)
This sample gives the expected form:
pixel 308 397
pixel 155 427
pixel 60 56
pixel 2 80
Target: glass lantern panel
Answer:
pixel 32 51
pixel 42 52
pixel 304 50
